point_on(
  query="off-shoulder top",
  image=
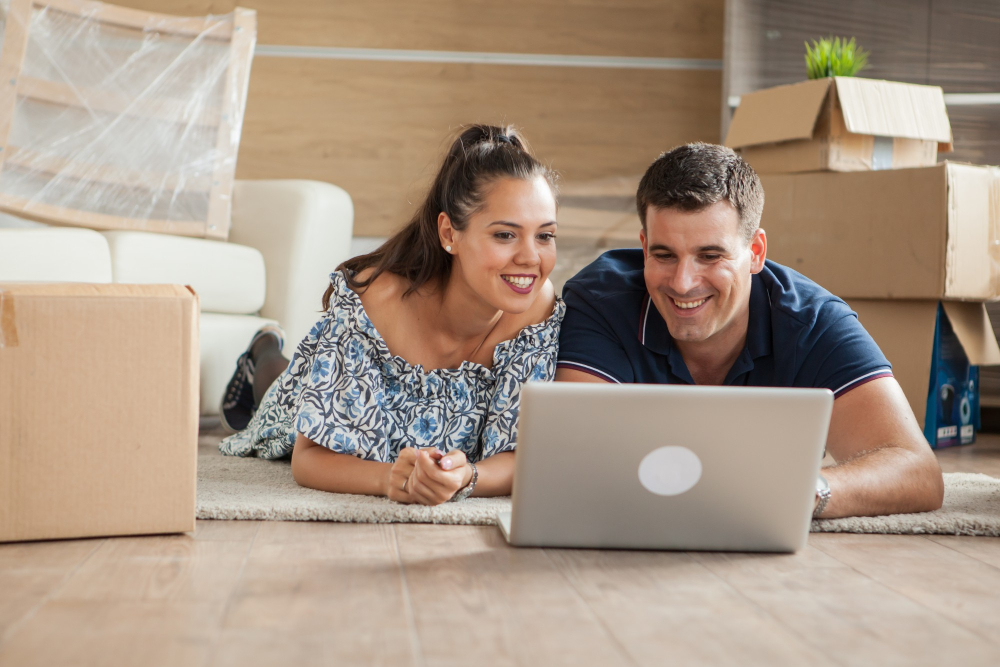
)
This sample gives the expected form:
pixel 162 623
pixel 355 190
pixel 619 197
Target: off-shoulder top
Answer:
pixel 344 390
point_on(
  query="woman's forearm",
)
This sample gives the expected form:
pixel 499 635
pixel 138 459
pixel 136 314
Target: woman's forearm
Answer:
pixel 496 475
pixel 316 467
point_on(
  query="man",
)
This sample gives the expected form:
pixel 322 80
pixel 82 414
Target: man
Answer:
pixel 701 304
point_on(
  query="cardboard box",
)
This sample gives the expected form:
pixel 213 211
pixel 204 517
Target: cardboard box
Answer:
pixel 99 397
pixel 934 346
pixel 927 233
pixel 841 124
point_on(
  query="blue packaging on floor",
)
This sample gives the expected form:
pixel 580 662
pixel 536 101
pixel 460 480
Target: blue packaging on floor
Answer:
pixel 952 416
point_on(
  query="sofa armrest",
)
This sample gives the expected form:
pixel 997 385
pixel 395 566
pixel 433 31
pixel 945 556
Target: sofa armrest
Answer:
pixel 303 229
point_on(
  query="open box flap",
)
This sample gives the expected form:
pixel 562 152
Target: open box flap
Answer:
pixel 776 114
pixel 893 109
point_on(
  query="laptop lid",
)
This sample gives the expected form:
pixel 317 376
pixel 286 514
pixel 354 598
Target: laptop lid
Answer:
pixel 667 467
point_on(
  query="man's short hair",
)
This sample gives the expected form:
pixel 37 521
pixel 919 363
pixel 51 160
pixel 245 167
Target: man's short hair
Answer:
pixel 695 176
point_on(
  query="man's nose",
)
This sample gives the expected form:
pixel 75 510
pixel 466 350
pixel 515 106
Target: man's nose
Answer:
pixel 685 277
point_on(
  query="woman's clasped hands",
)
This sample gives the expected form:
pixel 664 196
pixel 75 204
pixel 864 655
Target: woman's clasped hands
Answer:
pixel 428 476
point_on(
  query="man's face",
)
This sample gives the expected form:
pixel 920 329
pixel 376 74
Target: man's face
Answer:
pixel 698 268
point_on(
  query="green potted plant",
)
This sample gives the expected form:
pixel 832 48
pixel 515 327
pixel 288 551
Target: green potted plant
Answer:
pixel 834 56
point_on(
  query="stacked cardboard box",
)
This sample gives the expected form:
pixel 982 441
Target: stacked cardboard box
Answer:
pixel 856 201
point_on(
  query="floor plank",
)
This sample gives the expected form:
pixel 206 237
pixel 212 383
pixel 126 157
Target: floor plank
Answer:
pixel 982 456
pixel 670 604
pixel 473 595
pixel 158 568
pixel 335 588
pixel 845 614
pixel 32 571
pixel 983 549
pixel 86 633
pixel 957 587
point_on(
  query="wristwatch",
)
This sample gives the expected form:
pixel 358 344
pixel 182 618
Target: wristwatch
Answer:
pixel 823 493
pixel 467 490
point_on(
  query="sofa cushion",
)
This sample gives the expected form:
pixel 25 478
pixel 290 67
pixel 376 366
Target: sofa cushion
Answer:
pixel 50 254
pixel 228 278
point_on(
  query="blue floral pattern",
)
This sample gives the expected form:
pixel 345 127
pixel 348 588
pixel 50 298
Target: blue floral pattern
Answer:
pixel 346 392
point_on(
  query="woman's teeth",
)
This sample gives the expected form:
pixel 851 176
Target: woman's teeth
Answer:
pixel 521 282
pixel 686 305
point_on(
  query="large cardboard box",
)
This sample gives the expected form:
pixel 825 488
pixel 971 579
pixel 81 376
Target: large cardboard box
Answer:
pixel 927 233
pixel 841 124
pixel 920 338
pixel 99 405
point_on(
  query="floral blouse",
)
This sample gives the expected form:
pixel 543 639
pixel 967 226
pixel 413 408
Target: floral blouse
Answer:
pixel 346 392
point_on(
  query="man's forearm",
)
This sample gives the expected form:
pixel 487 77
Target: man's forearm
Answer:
pixel 888 480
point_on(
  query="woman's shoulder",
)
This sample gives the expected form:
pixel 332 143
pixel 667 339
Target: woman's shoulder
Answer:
pixel 542 310
pixel 541 321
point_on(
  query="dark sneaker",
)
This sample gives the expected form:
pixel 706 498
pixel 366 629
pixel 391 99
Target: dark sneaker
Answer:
pixel 237 403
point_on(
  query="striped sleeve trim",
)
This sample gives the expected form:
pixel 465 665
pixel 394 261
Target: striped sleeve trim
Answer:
pixel 590 370
pixel 857 382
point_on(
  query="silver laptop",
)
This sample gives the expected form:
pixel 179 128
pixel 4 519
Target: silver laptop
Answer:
pixel 666 467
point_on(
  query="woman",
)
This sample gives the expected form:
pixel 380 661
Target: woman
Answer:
pixel 409 385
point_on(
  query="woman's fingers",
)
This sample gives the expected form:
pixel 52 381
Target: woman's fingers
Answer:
pixel 453 460
pixel 431 471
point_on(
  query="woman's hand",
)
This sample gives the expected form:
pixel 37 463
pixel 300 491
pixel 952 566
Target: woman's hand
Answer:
pixel 436 477
pixel 399 477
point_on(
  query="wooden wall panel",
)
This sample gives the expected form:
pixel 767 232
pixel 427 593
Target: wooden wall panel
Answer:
pixel 965 46
pixel 379 129
pixel 641 28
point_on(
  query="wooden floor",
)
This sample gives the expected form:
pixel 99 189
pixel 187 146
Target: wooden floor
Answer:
pixel 273 593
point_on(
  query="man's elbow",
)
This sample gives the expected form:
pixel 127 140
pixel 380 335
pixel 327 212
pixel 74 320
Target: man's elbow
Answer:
pixel 930 482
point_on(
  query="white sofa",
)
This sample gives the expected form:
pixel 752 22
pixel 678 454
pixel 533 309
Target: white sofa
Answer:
pixel 286 238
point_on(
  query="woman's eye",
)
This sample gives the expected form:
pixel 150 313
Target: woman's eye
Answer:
pixel 505 236
pixel 547 236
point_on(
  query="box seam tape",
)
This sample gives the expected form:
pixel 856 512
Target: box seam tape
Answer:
pixel 8 320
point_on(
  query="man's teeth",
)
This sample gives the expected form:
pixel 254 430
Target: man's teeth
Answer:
pixel 686 305
pixel 522 282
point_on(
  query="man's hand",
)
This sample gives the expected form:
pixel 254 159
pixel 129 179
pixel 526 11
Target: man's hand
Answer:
pixel 398 487
pixel 436 477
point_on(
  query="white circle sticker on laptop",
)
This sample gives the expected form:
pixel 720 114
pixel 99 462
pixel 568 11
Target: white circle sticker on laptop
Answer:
pixel 670 471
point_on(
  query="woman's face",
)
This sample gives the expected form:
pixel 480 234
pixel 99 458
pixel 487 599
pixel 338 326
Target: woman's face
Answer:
pixel 508 249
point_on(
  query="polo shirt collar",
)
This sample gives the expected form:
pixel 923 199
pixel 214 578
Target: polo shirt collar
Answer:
pixel 655 336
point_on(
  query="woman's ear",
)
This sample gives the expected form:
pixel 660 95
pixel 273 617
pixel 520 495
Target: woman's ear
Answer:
pixel 446 233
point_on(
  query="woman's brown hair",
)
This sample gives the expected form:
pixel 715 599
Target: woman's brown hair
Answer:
pixel 479 156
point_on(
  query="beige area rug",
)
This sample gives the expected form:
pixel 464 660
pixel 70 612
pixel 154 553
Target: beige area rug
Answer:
pixel 237 488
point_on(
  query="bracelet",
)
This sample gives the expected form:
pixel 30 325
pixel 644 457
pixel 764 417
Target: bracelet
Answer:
pixel 467 490
pixel 823 493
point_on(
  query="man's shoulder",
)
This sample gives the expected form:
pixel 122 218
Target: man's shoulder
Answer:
pixel 799 298
pixel 613 275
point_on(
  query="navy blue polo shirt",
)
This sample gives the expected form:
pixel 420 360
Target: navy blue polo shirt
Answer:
pixel 799 334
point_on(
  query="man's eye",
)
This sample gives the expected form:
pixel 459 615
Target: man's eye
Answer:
pixel 664 258
pixel 710 258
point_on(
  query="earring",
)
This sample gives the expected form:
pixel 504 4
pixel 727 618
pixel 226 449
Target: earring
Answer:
pixel 447 248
